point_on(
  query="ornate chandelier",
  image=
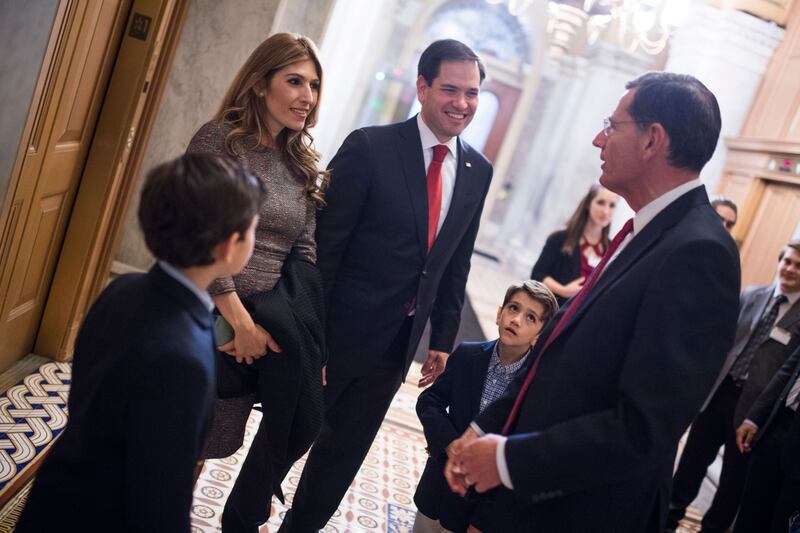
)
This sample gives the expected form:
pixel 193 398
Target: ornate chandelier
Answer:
pixel 634 24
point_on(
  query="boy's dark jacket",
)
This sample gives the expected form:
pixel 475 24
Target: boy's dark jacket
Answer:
pixel 459 388
pixel 140 402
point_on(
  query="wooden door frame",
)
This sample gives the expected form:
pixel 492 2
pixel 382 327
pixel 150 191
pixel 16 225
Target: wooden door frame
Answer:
pixel 112 168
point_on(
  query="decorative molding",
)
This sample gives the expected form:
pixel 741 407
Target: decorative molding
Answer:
pixel 771 146
pixel 773 10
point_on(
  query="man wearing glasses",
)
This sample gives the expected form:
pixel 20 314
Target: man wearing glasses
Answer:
pixel 727 212
pixel 586 439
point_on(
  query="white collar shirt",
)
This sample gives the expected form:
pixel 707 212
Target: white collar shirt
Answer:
pixel 647 213
pixel 178 276
pixel 791 299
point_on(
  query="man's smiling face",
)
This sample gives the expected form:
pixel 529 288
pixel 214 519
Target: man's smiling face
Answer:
pixel 450 101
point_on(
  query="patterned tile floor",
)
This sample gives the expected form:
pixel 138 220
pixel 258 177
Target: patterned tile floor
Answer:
pixel 380 498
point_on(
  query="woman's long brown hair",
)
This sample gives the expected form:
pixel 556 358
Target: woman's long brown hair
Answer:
pixel 246 111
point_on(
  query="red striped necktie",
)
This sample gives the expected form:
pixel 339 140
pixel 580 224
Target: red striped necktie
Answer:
pixel 565 318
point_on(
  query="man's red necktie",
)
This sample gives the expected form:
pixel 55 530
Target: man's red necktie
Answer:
pixel 435 191
pixel 565 318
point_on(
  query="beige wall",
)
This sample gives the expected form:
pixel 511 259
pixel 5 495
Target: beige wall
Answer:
pixel 217 38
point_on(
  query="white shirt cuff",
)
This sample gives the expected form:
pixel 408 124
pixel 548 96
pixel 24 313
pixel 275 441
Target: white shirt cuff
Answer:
pixel 502 466
pixel 477 429
pixel 750 423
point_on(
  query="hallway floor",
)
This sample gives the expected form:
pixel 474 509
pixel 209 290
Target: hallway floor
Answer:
pixel 380 498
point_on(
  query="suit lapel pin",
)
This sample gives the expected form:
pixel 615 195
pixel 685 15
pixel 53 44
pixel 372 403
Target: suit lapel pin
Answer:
pixel 469 165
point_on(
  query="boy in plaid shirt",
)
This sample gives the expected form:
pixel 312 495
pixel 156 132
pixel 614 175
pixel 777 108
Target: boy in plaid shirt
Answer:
pixel 477 374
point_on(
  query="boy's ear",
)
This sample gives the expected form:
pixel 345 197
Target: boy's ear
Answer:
pixel 223 252
pixel 499 312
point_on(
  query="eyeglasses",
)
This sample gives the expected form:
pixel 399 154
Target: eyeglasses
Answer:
pixel 609 125
pixel 727 223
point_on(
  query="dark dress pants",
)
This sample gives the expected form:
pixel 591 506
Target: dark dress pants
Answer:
pixel 249 503
pixel 772 490
pixel 712 428
pixel 725 504
pixel 356 401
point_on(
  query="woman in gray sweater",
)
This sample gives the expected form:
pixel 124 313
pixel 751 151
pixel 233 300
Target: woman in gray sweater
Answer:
pixel 263 121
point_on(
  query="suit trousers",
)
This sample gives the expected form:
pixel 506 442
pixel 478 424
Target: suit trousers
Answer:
pixel 712 428
pixel 770 495
pixel 356 401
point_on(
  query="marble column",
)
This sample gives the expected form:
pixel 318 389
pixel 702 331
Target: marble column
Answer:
pixel 350 66
pixel 306 17
pixel 523 177
pixel 728 50
pixel 583 85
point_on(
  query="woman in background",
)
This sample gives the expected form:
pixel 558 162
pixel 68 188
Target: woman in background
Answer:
pixel 263 121
pixel 570 255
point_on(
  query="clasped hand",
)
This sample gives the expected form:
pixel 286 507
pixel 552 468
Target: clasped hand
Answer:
pixel 471 461
pixel 249 344
pixel 744 436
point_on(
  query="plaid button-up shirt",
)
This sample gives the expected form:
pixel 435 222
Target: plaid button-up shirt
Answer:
pixel 498 377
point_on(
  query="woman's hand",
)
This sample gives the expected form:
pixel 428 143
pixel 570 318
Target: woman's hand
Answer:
pixel 565 291
pixel 250 340
pixel 573 287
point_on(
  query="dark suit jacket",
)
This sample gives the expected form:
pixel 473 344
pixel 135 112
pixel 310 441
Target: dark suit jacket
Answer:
pixel 143 386
pixel 769 405
pixel 594 444
pixel 554 263
pixel 768 360
pixel 752 303
pixel 446 409
pixel 372 243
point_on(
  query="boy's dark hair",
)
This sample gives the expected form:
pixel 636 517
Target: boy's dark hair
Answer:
pixel 686 109
pixel 538 292
pixel 445 50
pixel 193 203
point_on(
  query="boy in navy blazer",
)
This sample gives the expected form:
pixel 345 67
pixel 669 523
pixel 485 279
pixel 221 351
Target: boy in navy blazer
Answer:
pixel 144 379
pixel 476 375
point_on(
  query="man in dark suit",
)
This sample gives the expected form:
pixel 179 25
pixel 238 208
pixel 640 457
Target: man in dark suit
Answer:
pixel 144 380
pixel 772 431
pixel 767 332
pixel 393 246
pixel 590 434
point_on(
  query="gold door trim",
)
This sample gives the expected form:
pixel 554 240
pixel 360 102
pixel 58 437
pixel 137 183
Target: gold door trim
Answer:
pixel 112 166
